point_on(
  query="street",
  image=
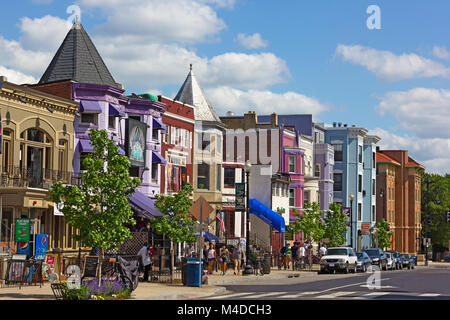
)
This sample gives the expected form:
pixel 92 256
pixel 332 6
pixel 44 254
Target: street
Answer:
pixel 421 283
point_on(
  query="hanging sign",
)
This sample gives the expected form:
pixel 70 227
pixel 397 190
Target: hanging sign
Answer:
pixel 22 230
pixel 41 246
pixel 239 197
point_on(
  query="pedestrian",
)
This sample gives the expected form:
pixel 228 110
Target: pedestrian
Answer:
pixel 288 256
pixel 302 253
pixel 237 257
pixel 322 251
pixel 224 258
pixel 146 253
pixel 294 251
pixel 212 257
pixel 283 252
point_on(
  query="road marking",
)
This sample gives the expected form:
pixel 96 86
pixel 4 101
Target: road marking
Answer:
pixel 348 285
pixel 373 295
pixel 429 295
pixel 380 287
pixel 264 295
pixel 335 295
pixel 232 295
pixel 293 296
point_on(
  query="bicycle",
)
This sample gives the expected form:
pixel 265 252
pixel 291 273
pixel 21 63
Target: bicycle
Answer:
pixel 258 266
pixel 117 273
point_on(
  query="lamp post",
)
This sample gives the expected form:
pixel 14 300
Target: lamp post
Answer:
pixel 248 268
pixel 351 197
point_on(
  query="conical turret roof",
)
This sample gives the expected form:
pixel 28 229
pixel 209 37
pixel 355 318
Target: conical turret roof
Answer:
pixel 78 59
pixel 191 93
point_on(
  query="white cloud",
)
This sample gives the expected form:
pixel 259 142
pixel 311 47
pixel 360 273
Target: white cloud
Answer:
pixel 389 67
pixel 253 41
pixel 262 101
pixel 157 21
pixel 424 112
pixel 441 53
pixel 43 34
pixel 16 76
pixel 432 153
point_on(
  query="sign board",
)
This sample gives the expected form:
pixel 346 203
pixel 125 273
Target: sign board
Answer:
pixel 23 248
pixel 22 232
pixel 41 246
pixel 289 235
pixel 205 207
pixel 365 228
pixel 239 197
pixel 136 142
pixel 50 268
pixel 91 266
pixel 32 272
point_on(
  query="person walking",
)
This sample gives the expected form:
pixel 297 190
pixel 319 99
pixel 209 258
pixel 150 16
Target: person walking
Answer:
pixel 224 258
pixel 237 257
pixel 322 251
pixel 145 253
pixel 283 252
pixel 295 252
pixel 288 256
pixel 302 253
pixel 212 257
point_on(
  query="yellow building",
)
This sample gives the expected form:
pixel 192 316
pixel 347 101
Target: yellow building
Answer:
pixel 37 150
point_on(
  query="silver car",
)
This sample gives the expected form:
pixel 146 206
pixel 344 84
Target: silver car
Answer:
pixel 390 265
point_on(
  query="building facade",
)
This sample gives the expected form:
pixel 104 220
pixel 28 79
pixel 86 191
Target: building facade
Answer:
pixel 399 198
pixel 36 150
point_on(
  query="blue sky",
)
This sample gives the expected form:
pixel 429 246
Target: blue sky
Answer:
pixel 292 56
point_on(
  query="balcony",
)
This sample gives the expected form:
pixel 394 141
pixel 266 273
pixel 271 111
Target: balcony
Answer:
pixel 17 177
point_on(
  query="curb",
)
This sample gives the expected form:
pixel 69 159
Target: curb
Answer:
pixel 181 296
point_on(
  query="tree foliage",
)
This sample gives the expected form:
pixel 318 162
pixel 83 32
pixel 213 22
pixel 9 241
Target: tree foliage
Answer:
pixel 335 226
pixel 383 234
pixel 175 222
pixel 309 222
pixel 99 206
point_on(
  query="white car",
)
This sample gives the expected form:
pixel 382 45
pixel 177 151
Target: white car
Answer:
pixel 390 265
pixel 339 259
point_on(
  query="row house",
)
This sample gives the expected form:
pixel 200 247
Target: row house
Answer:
pixel 354 176
pixel 399 198
pixel 37 143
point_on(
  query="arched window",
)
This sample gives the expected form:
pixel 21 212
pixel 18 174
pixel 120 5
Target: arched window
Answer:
pixel 7 150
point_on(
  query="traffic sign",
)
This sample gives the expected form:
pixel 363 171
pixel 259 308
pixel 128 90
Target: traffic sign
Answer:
pixel 205 207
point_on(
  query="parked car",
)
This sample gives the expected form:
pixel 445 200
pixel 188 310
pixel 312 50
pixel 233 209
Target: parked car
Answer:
pixel 339 259
pixel 398 260
pixel 407 261
pixel 364 261
pixel 378 257
pixel 390 261
pixel 447 258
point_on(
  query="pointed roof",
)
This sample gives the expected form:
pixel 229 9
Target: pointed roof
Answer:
pixel 191 93
pixel 77 59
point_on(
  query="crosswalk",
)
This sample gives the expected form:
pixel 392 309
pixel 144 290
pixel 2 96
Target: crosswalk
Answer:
pixel 320 295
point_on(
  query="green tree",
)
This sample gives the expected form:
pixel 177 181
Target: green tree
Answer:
pixel 309 222
pixel 175 222
pixel 383 234
pixel 99 206
pixel 435 202
pixel 335 226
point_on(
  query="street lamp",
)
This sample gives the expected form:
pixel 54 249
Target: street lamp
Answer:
pixel 248 268
pixel 351 197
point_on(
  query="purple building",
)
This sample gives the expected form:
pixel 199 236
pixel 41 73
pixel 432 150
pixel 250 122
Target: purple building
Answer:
pixel 78 72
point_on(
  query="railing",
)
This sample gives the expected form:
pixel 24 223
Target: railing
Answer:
pixel 36 178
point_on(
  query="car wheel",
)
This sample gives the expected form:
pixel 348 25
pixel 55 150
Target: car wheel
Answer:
pixel 346 268
pixel 364 268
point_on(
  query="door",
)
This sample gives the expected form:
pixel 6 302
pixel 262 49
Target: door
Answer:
pixel 34 166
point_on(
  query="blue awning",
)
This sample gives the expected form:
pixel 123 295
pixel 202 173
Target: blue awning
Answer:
pixel 157 124
pixel 270 217
pixel 143 205
pixel 88 106
pixel 209 237
pixel 157 158
pixel 114 110
pixel 85 146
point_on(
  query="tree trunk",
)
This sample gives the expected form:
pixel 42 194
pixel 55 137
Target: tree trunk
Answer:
pixel 171 261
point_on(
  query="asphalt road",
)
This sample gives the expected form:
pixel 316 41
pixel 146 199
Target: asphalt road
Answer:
pixel 419 284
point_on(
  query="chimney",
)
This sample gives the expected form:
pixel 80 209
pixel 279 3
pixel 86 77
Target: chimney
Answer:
pixel 250 120
pixel 378 149
pixel 334 124
pixel 345 125
pixel 339 124
pixel 274 119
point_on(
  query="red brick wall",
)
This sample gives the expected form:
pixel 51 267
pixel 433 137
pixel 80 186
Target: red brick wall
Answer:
pixel 60 89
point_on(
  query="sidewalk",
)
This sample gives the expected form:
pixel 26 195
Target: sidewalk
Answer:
pixel 156 291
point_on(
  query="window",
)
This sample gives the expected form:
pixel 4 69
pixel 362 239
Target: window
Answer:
pixel 203 176
pixel 219 144
pixel 373 213
pixel 292 163
pixel 307 196
pixel 373 187
pixel 229 177
pixel 35 135
pixel 359 211
pixel 204 141
pixel 134 172
pixel 89 118
pixel 331 172
pixel 291 197
pixel 331 198
pixel 316 137
pixel 359 183
pixel 219 177
pixel 317 170
pixel 155 173
pixel 360 155
pixel 337 177
pixel 374 161
pixel 338 152
pixel 111 122
pixel 7 151
pixel 155 133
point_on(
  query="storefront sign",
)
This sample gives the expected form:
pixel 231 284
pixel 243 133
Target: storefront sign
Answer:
pixel 22 230
pixel 50 268
pixel 41 246
pixel 23 248
pixel 240 197
pixel 365 228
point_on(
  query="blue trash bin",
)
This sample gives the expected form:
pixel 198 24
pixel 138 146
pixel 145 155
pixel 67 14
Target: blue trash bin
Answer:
pixel 415 260
pixel 192 279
